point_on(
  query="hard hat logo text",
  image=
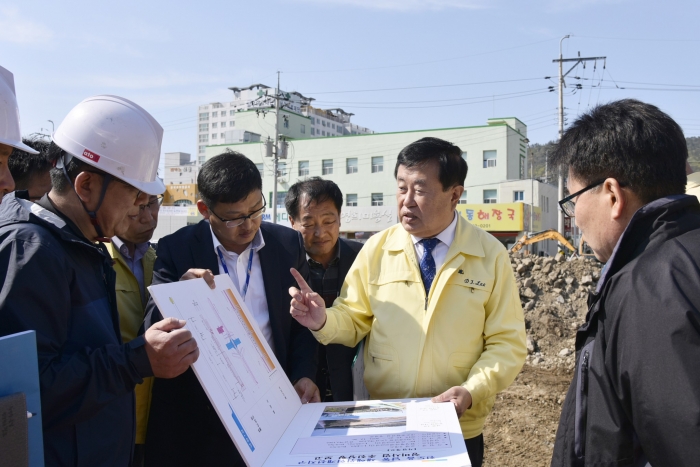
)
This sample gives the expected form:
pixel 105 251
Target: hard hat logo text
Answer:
pixel 91 155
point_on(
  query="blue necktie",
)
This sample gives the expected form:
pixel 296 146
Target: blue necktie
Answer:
pixel 427 263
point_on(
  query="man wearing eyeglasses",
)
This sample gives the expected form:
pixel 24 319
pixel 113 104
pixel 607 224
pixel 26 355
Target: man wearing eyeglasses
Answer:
pixel 184 429
pixel 133 262
pixel 635 396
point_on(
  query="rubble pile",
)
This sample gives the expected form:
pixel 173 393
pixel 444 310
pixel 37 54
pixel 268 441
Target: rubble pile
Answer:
pixel 554 293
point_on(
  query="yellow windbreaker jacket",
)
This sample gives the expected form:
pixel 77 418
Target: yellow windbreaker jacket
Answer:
pixel 131 314
pixel 468 331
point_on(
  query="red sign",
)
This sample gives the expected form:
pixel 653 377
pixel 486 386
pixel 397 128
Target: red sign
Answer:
pixel 91 155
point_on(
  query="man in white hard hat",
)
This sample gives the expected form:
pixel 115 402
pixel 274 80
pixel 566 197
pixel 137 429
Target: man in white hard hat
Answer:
pixel 10 134
pixel 59 280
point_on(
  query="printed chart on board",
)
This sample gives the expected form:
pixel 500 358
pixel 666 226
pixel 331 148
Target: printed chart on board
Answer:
pixel 237 368
pixel 262 413
pixel 400 432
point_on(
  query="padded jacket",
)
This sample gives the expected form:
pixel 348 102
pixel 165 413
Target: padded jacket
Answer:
pixel 59 284
pixel 635 396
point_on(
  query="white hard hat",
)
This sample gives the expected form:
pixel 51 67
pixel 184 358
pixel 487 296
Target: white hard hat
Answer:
pixel 9 113
pixel 116 136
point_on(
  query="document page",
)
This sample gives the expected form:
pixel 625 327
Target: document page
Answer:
pixel 402 432
pixel 236 367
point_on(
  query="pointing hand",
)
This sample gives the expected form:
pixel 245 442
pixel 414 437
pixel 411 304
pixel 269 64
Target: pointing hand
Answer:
pixel 307 306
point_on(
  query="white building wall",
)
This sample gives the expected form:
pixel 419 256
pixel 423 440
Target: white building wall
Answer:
pixel 304 121
pixel 472 140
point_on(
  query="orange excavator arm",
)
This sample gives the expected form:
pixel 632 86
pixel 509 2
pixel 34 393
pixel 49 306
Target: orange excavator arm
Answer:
pixel 538 237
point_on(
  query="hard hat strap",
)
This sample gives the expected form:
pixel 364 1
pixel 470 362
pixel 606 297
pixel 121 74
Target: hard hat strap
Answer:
pixel 106 179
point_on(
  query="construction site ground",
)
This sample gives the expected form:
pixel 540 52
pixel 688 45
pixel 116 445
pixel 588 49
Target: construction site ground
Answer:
pixel 521 429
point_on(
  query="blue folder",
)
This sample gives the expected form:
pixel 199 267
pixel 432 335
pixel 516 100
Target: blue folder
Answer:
pixel 19 368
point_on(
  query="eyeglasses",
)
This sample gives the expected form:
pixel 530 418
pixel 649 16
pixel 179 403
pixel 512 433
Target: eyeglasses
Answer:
pixel 231 223
pixel 568 205
pixel 153 204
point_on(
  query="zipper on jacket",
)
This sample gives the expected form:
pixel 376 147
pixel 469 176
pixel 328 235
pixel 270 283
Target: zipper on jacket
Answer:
pixel 584 372
pixel 581 410
pixel 426 304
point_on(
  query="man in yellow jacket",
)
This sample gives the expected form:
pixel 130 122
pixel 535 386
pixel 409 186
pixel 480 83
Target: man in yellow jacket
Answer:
pixel 133 261
pixel 434 295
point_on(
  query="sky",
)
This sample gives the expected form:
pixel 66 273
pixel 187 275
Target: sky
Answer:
pixel 397 65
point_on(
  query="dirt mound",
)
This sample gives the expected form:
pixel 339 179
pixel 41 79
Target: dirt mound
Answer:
pixel 554 292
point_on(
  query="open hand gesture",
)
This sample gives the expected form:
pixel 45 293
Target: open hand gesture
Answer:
pixel 307 306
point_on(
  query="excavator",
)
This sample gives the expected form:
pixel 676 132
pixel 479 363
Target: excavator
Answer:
pixel 550 235
pixel 538 237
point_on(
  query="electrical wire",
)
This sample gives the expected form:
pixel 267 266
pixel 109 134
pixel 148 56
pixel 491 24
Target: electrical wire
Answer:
pixel 421 63
pixel 431 100
pixel 423 87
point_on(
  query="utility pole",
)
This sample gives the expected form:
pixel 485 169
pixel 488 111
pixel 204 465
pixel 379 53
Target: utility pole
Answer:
pixel 562 84
pixel 275 163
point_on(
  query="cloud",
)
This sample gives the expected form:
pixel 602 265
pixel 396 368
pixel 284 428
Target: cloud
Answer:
pixel 406 5
pixel 15 28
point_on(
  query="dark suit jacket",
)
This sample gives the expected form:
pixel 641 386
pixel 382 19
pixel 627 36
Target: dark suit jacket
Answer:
pixel 339 357
pixel 183 428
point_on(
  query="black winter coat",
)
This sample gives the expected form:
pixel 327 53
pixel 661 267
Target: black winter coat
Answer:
pixel 59 284
pixel 635 396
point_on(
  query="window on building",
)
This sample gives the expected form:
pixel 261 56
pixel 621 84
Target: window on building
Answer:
pixel 377 199
pixel 231 123
pixel 324 133
pixel 231 112
pixel 489 159
pixel 213 136
pixel 518 195
pixel 281 196
pixel 203 117
pixel 351 199
pixel 327 167
pixel 202 149
pixel 463 198
pixel 333 125
pixel 312 130
pixel 351 165
pixel 214 114
pixel 378 164
pixel 261 168
pixel 204 138
pixel 303 168
pixel 490 196
pixel 223 124
pixel 303 128
pixel 214 125
pixel 223 135
pixel 522 167
pixel 203 127
pixel 323 122
pixel 281 169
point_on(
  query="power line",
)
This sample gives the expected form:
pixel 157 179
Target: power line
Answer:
pixel 428 101
pixel 424 87
pixel 420 63
pixel 639 39
pixel 527 94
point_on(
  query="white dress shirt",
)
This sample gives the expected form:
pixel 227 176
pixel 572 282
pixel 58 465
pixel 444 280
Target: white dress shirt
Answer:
pixel 440 251
pixel 255 298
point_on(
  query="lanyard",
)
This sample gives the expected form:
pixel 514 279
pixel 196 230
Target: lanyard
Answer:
pixel 247 272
